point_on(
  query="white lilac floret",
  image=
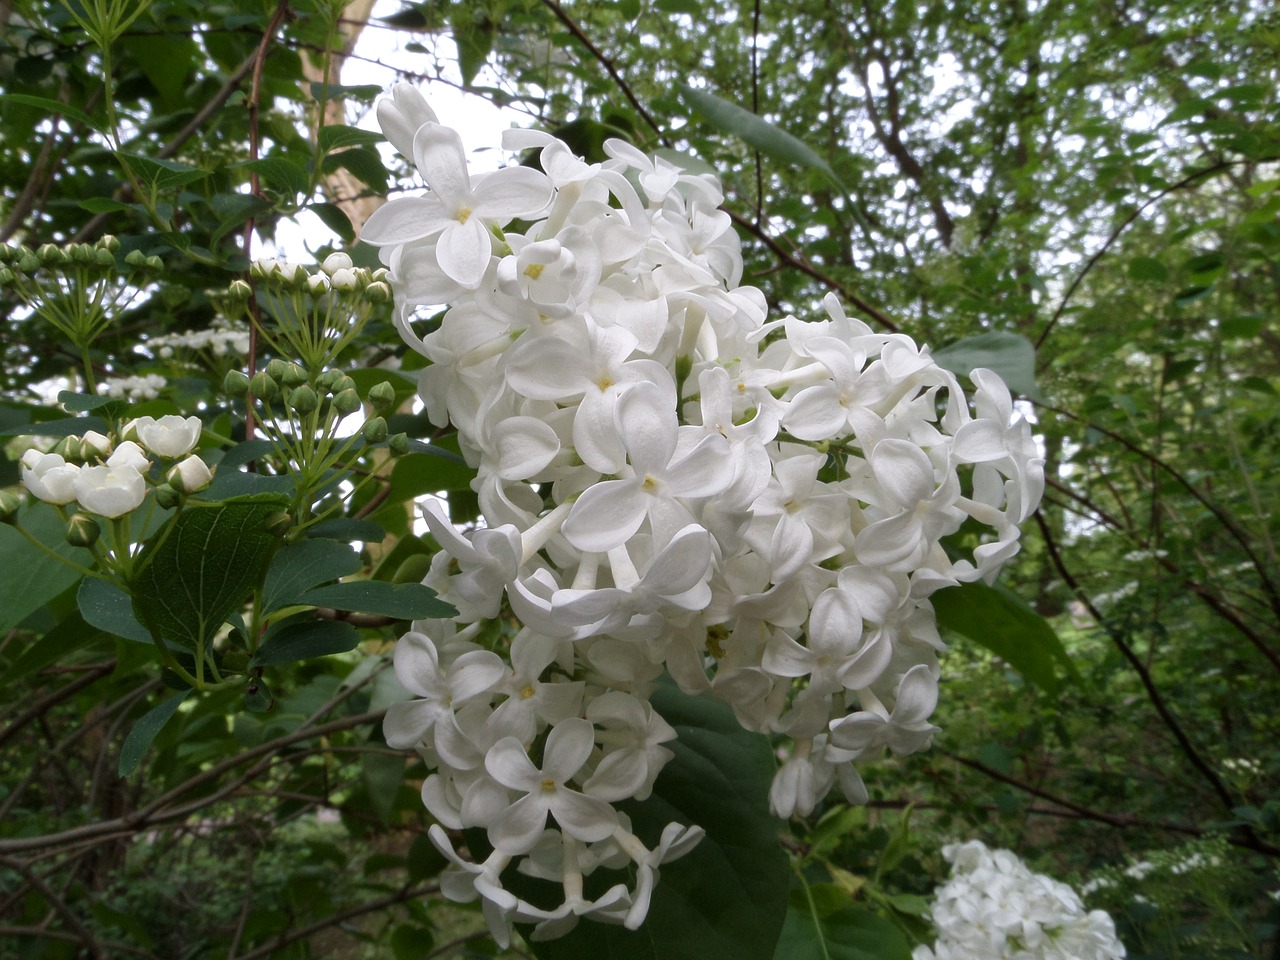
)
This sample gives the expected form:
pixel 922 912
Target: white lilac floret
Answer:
pixel 654 471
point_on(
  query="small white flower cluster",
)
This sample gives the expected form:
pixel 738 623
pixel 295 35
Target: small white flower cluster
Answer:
pixel 669 482
pixel 221 338
pixel 143 387
pixel 995 908
pixel 109 478
pixel 337 273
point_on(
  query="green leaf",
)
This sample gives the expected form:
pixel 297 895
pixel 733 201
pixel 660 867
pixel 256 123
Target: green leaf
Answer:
pixel 107 205
pixel 473 34
pixel 160 173
pixel 348 528
pixel 144 732
pixel 1148 268
pixel 72 638
pixel 726 899
pixel 31 576
pixel 84 402
pixel 1008 354
pixel 384 776
pixel 851 933
pixel 202 565
pixel 107 607
pixel 54 106
pixel 302 641
pixel 755 132
pixel 404 601
pixel 364 163
pixel 286 176
pixel 363 92
pixel 335 136
pixel 333 217
pixel 299 566
pixel 1000 620
pixel 64 427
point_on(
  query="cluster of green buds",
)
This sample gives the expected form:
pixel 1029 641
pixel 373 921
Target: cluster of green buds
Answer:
pixel 78 288
pixel 313 314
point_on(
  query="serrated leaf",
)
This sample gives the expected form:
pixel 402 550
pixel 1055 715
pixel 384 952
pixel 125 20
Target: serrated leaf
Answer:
pixel 404 601
pixel 852 933
pixel 53 106
pixel 1010 355
pixel 336 136
pixel 754 131
pixel 161 173
pixel 299 566
pixel 201 566
pixel 302 641
pixel 283 174
pixel 144 732
pixel 31 576
pixel 107 607
pixel 726 899
pixel 1000 620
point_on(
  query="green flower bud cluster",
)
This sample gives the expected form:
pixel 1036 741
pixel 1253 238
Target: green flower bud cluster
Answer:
pixel 77 287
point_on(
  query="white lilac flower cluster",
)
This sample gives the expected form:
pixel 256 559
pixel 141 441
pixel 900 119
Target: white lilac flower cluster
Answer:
pixel 670 482
pixel 142 387
pixel 109 477
pixel 995 908
pixel 222 338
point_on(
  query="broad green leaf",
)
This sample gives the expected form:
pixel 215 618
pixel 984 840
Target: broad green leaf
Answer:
pixel 302 641
pixel 285 175
pixel 473 34
pixel 231 483
pixel 404 601
pixel 726 899
pixel 54 106
pixel 363 92
pixel 64 427
pixel 415 474
pixel 167 59
pixel 755 132
pixel 108 205
pixel 332 216
pixel 1000 620
pixel 364 163
pixel 107 607
pixel 84 402
pixel 144 732
pixel 851 933
pixel 348 529
pixel 383 775
pixel 299 566
pixel 335 136
pixel 32 577
pixel 1148 268
pixel 1009 354
pixel 72 638
pixel 202 566
pixel 161 173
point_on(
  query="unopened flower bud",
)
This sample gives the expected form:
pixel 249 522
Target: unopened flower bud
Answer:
pixel 190 475
pixel 327 379
pixel 399 443
pixel 375 430
pixel 136 258
pixel 83 530
pixel 318 285
pixel 109 242
pixel 263 386
pixel 293 375
pixel 10 502
pixel 239 291
pixel 336 261
pixel 343 382
pixel 94 446
pixel 166 497
pixel 344 279
pixel 377 292
pixel 235 383
pixel 50 254
pixel 6 276
pixel 154 264
pixel 276 368
pixel 303 399
pixel 382 395
pixel 346 402
pixel 104 258
pixel 68 448
pixel 28 263
pixel 278 523
pixel 80 253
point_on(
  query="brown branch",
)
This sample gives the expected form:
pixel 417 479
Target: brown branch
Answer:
pixel 1144 675
pixel 55 697
pixel 58 905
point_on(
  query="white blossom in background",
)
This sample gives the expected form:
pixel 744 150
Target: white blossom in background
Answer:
pixel 995 908
pixel 670 482
pixel 143 387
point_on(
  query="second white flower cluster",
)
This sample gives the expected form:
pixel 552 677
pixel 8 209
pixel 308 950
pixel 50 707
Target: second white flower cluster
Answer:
pixel 670 482
pixel 109 478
